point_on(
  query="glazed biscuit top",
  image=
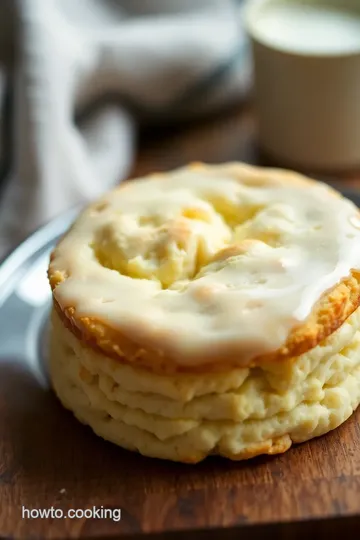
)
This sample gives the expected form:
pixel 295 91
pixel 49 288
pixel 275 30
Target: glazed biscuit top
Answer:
pixel 206 259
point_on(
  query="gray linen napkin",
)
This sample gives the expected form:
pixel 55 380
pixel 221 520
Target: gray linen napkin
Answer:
pixel 85 73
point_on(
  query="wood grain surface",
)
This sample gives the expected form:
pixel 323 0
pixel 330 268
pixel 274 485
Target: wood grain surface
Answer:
pixel 48 459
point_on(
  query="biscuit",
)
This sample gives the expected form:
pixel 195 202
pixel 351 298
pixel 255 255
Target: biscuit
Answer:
pixel 209 310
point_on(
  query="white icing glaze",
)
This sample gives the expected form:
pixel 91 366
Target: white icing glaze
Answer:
pixel 240 279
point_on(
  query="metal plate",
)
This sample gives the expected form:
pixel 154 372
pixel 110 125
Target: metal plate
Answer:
pixel 25 296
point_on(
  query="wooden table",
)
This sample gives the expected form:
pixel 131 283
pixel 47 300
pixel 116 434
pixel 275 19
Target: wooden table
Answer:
pixel 229 136
pixel 48 459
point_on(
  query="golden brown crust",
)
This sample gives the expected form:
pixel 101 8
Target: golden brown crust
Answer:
pixel 271 447
pixel 328 315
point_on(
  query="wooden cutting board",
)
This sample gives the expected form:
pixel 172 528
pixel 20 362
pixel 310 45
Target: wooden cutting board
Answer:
pixel 48 459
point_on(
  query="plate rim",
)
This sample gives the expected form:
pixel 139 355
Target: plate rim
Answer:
pixel 34 242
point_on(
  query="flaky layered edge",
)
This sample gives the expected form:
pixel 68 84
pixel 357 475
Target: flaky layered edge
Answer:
pixel 312 395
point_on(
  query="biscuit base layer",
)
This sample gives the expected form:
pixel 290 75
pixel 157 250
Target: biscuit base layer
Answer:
pixel 238 414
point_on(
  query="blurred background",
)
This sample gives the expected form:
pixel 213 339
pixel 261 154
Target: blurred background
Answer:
pixel 96 91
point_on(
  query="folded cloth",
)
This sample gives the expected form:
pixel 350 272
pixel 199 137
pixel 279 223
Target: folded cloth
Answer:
pixel 87 72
